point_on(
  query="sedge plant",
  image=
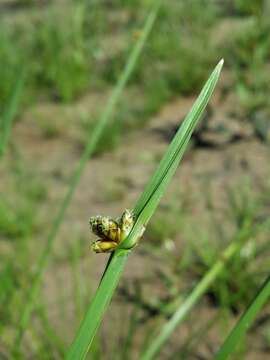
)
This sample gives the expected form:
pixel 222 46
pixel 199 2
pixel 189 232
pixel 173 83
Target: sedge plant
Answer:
pixel 142 212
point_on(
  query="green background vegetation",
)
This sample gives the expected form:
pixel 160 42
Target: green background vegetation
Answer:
pixel 59 63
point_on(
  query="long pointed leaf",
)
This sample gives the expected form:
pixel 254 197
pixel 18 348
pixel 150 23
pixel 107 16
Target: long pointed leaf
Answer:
pixel 154 190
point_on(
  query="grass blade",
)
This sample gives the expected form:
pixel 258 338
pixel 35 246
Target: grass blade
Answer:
pixel 154 190
pixel 181 313
pixel 143 211
pixel 10 112
pixel 244 323
pixel 88 151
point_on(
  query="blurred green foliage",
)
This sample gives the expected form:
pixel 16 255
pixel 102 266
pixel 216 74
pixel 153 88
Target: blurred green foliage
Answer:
pixel 84 47
pixel 79 48
pixel 18 224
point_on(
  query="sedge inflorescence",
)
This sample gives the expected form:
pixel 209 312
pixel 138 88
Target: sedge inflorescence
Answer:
pixel 111 232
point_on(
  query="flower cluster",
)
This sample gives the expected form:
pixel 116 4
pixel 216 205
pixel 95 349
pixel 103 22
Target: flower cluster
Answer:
pixel 110 232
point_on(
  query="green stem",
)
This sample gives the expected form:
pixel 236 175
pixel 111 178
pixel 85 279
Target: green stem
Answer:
pixel 98 306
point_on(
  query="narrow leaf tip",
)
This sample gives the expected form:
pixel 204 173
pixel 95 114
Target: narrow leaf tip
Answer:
pixel 220 64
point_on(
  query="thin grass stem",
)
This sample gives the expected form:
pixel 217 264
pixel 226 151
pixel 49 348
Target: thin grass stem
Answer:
pixel 11 111
pixel 244 323
pixel 88 151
